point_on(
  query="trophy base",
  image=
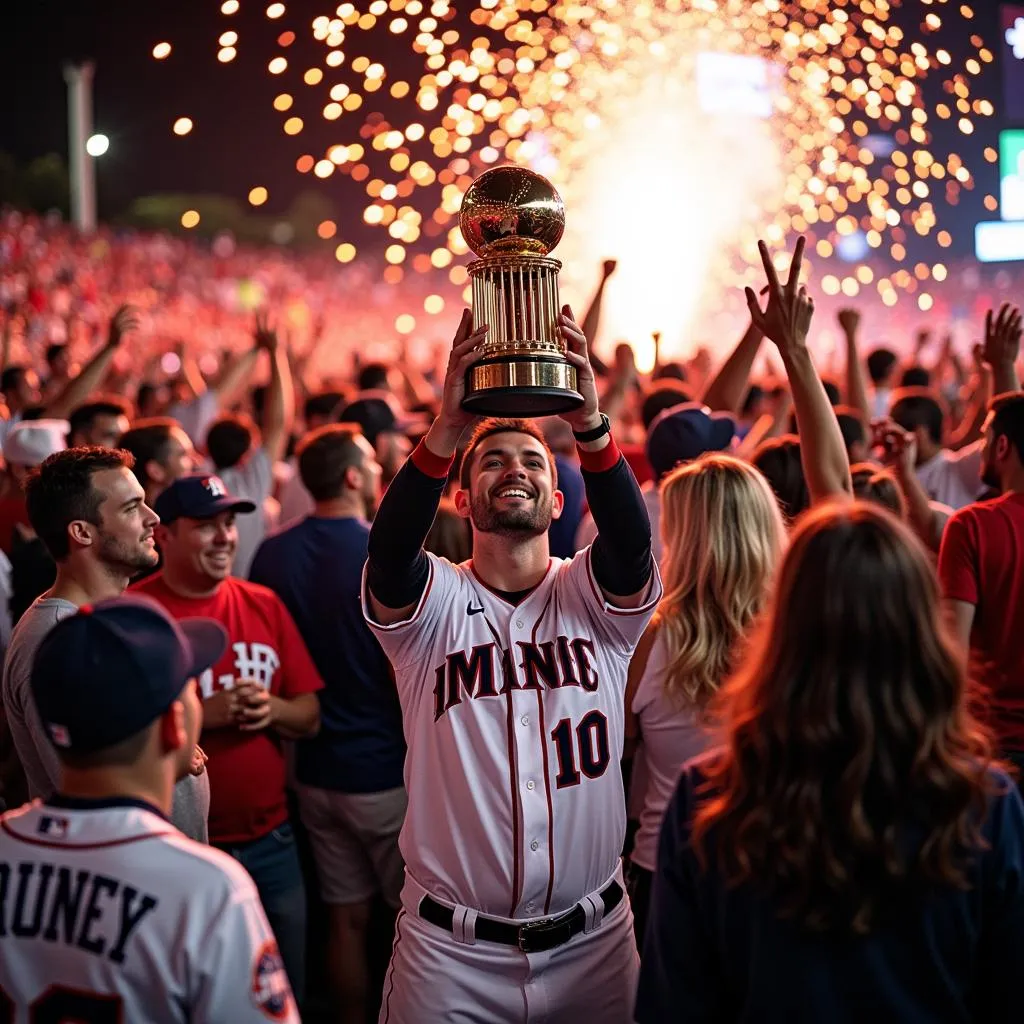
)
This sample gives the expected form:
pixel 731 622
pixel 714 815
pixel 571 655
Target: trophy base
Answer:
pixel 524 386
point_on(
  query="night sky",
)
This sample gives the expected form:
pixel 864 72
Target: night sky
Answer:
pixel 237 141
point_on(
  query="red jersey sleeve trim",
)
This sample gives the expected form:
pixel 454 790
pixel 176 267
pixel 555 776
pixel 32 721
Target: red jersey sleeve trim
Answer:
pixel 600 462
pixel 427 462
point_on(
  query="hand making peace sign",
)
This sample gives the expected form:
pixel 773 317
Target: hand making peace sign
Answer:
pixel 787 318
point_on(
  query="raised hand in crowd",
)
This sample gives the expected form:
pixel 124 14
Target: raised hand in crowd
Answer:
pixel 787 316
pixel 849 322
pixel 266 332
pixel 899 454
pixel 1002 346
pixel 786 319
pixel 856 381
pixel 124 322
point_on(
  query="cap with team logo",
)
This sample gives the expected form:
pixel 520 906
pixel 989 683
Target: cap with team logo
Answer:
pixel 198 496
pixel 109 671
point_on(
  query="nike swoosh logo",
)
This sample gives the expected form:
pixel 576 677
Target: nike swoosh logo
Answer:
pixel 470 610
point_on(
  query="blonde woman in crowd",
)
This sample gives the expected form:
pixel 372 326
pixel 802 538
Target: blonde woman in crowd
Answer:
pixel 723 534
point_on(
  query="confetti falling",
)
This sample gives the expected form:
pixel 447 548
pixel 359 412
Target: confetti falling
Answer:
pixel 662 163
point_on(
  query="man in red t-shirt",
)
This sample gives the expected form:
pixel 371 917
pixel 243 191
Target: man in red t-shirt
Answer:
pixel 981 568
pixel 262 691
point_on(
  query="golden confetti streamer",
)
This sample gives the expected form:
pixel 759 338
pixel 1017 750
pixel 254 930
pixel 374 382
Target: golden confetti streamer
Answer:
pixel 678 132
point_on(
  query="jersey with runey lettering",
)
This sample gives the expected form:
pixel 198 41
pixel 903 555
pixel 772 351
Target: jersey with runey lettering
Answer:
pixel 109 914
pixel 514 722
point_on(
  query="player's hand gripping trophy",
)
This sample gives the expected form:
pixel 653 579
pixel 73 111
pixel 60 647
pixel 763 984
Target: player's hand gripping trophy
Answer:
pixel 512 218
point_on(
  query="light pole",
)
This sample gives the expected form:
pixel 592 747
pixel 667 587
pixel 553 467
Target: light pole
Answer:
pixel 80 162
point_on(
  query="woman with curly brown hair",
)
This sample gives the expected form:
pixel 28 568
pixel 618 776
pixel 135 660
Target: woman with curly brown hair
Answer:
pixel 852 853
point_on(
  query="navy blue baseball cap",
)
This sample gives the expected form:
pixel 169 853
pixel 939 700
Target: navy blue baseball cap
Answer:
pixel 198 496
pixel 685 432
pixel 112 669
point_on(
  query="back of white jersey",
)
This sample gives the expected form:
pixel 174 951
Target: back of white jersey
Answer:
pixel 514 722
pixel 109 914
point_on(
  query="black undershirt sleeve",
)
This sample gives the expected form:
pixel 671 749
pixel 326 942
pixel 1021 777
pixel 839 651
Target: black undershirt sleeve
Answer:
pixel 398 566
pixel 621 554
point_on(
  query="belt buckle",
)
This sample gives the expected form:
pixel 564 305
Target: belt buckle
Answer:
pixel 547 934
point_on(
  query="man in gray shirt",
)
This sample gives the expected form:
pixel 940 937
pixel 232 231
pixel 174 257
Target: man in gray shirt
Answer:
pixel 89 510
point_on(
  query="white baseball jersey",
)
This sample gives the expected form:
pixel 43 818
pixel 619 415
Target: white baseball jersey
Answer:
pixel 514 723
pixel 110 914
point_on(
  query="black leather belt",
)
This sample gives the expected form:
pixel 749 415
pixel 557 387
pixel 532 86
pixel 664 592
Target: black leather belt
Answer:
pixel 532 937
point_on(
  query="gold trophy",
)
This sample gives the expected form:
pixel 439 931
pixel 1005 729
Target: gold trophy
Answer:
pixel 512 218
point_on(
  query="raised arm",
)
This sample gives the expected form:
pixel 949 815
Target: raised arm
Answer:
pixel 398 568
pixel 786 320
pixel 969 429
pixel 280 412
pixel 727 388
pixel 592 318
pixel 78 389
pixel 856 385
pixel 1002 346
pixel 621 554
pixel 900 447
pixel 236 373
pixel 189 370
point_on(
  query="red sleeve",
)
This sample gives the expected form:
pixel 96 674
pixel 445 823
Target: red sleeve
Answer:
pixel 958 558
pixel 300 675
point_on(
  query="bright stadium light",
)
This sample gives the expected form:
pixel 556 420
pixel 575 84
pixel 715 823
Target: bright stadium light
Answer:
pixel 97 145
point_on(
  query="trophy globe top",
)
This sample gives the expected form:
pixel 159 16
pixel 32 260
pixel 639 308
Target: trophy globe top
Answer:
pixel 512 211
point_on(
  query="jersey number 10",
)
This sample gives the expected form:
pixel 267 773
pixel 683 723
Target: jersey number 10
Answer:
pixel 60 1005
pixel 590 737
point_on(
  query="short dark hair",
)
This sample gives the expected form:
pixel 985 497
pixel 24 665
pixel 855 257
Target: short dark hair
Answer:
pixel 880 363
pixel 665 394
pixel 54 350
pixel 372 377
pixel 326 404
pixel 755 394
pixel 325 455
pixel 918 407
pixel 12 377
pixel 779 460
pixel 228 440
pixel 259 401
pixel 85 415
pixel 500 425
pixel 879 485
pixel 851 425
pixel 670 371
pixel 123 754
pixel 60 491
pixel 915 377
pixel 835 396
pixel 1008 419
pixel 145 394
pixel 148 440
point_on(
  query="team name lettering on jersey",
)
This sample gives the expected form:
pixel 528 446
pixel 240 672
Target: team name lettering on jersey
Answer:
pixel 76 908
pixel 551 664
pixel 256 662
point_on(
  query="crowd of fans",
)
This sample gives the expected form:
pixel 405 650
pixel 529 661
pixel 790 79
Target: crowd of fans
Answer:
pixel 861 663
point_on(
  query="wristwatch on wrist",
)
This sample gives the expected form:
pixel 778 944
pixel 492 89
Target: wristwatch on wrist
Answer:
pixel 596 432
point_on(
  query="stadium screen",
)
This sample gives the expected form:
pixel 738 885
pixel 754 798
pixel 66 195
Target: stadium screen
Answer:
pixel 733 83
pixel 1011 175
pixel 1011 53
